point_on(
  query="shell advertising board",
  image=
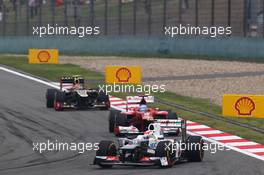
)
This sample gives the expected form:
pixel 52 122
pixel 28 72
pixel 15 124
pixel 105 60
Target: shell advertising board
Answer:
pixel 242 105
pixel 123 74
pixel 43 56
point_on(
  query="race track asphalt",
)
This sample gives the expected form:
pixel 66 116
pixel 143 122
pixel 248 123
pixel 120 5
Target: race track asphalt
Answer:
pixel 24 119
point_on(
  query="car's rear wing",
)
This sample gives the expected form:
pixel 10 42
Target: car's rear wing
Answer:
pixel 169 123
pixel 137 99
pixel 69 81
pixel 172 125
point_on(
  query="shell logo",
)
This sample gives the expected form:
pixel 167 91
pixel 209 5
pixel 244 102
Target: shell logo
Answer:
pixel 44 56
pixel 245 106
pixel 123 74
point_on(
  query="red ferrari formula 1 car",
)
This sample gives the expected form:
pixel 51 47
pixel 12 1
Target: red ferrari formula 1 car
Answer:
pixel 137 119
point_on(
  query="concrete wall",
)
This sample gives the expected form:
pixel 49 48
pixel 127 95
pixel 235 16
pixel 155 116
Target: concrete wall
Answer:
pixel 224 48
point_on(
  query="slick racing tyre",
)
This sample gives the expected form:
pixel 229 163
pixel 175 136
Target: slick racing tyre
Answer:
pixel 103 98
pixel 112 120
pixel 164 151
pixel 195 152
pixel 172 115
pixel 59 100
pixel 50 95
pixel 106 148
pixel 120 120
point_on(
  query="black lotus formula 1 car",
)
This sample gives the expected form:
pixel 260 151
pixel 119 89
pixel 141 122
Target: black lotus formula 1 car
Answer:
pixel 72 94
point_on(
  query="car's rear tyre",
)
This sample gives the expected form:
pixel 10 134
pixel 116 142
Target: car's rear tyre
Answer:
pixel 172 115
pixel 164 149
pixel 59 100
pixel 112 120
pixel 106 148
pixel 103 98
pixel 195 153
pixel 50 95
pixel 120 120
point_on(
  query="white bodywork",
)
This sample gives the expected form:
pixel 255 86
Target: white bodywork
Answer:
pixel 137 99
pixel 82 93
pixel 167 126
pixel 154 135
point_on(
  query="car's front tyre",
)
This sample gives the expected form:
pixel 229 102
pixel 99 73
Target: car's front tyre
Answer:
pixel 59 100
pixel 164 151
pixel 106 148
pixel 195 153
pixel 112 120
pixel 50 95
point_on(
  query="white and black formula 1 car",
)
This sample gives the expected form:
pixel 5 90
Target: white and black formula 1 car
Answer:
pixel 72 94
pixel 151 149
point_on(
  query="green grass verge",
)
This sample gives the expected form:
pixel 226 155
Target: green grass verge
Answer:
pixel 168 56
pixel 53 72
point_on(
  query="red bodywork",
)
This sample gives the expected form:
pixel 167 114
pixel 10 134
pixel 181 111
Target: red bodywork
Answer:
pixel 141 119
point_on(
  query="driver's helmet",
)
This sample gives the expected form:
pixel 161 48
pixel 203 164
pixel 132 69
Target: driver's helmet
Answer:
pixel 154 131
pixel 77 83
pixel 143 108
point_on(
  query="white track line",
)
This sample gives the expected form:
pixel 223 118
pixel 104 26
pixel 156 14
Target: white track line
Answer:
pixel 121 109
pixel 242 143
pixel 208 132
pixel 219 138
pixel 255 150
pixel 197 127
pixel 117 102
pixel 115 98
pixel 29 77
pixel 190 122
